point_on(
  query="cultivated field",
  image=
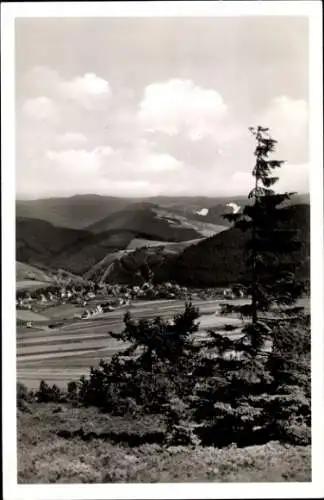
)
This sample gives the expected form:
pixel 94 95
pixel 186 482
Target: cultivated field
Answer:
pixel 66 352
pixel 30 285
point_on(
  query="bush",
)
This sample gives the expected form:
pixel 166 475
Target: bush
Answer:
pixel 22 392
pixel 159 372
pixel 24 397
pixel 72 391
pixel 123 386
pixel 47 394
pixel 106 386
pixel 293 431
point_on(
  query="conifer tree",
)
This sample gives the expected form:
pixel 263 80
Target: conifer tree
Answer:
pixel 270 272
pixel 159 338
pixel 242 394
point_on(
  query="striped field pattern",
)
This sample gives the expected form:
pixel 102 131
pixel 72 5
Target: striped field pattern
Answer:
pixel 65 353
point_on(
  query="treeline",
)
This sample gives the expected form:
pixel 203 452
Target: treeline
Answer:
pixel 220 260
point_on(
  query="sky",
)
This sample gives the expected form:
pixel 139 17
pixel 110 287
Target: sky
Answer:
pixel 158 106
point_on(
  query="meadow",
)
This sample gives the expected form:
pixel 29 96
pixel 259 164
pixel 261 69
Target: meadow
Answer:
pixel 52 449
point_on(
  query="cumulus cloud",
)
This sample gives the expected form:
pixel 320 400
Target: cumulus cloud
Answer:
pixel 157 163
pixel 161 145
pixel 74 163
pixel 203 153
pixel 139 162
pixel 178 105
pixel 88 90
pixel 104 168
pixel 40 109
pixel 78 168
pixel 80 160
pixel 101 170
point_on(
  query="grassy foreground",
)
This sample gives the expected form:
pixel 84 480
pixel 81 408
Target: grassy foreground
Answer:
pixel 59 443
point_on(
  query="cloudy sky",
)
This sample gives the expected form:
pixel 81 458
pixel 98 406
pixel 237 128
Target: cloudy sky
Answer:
pixel 141 107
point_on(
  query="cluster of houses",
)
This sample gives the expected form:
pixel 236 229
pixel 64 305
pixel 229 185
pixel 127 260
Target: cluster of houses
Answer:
pixel 53 295
pixel 235 292
pixel 150 291
pixel 122 296
pixel 88 313
pixel 104 308
pixel 112 296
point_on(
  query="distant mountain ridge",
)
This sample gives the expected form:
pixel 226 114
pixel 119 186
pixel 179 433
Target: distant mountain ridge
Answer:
pixel 76 212
pixel 82 211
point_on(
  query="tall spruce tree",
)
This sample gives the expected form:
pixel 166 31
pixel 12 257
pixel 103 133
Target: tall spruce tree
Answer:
pixel 270 271
pixel 243 394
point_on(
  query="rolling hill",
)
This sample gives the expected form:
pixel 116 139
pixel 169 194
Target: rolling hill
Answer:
pixel 76 212
pixel 213 212
pixel 81 211
pixel 42 244
pixel 31 278
pixel 26 272
pixel 133 265
pixel 141 224
pixel 219 260
pixel 199 256
pixel 48 247
pixel 38 242
pixel 154 220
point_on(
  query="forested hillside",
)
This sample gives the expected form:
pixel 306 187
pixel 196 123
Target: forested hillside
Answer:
pixel 219 260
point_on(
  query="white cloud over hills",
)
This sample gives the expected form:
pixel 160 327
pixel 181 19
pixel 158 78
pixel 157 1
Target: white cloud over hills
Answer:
pixel 176 106
pixel 146 127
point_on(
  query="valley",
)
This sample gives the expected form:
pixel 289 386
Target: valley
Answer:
pixel 164 240
pixel 181 323
pixel 161 172
pixel 141 245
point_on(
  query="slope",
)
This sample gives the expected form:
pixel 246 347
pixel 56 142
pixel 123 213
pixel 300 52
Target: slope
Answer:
pixel 42 244
pixel 211 210
pixel 38 241
pixel 135 265
pixel 27 272
pixel 219 260
pixel 147 218
pixel 75 212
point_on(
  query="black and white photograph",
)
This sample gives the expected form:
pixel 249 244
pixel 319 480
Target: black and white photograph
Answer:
pixel 163 268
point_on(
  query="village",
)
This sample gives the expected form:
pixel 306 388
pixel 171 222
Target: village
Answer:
pixel 93 299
